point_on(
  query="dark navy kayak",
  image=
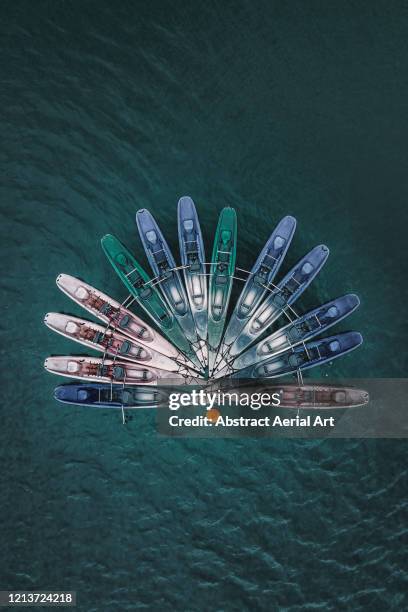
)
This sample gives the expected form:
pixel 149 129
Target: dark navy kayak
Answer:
pixel 107 396
pixel 303 357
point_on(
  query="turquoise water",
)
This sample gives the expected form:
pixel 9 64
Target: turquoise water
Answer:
pixel 274 109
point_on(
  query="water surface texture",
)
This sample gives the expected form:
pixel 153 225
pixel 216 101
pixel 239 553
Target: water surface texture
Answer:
pixel 274 108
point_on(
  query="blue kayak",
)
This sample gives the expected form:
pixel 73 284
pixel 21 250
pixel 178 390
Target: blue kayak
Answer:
pixel 305 356
pixel 107 396
pixel 194 270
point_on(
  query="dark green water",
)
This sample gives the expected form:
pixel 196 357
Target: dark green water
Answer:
pixel 273 108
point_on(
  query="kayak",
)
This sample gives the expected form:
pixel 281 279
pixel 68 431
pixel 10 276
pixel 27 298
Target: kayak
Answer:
pixel 116 316
pixel 109 370
pixel 221 277
pixel 305 396
pixel 111 342
pixel 284 295
pixel 317 396
pixel 303 357
pixel 99 395
pixel 139 285
pixel 167 277
pixel 262 273
pixel 194 270
pixel 304 328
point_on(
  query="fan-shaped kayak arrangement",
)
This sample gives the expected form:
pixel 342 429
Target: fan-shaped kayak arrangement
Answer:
pixel 193 340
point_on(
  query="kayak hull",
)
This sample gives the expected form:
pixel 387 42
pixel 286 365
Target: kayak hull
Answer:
pixel 164 267
pixel 321 397
pixel 221 279
pixel 194 270
pixel 95 369
pixel 99 395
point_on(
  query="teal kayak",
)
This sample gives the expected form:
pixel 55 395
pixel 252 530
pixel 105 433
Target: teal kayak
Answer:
pixel 221 279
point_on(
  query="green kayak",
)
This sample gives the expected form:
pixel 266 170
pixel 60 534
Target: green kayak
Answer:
pixel 139 285
pixel 221 278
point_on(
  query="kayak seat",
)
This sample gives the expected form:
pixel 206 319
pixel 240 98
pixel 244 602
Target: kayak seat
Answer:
pixel 188 225
pixel 279 300
pixel 334 346
pixel 118 372
pixel 307 268
pixel 145 293
pixel 151 236
pixel 121 259
pixel 125 347
pixel 296 360
pixel 71 327
pixel 330 313
pixel 279 242
pixel 124 322
pixel 81 293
